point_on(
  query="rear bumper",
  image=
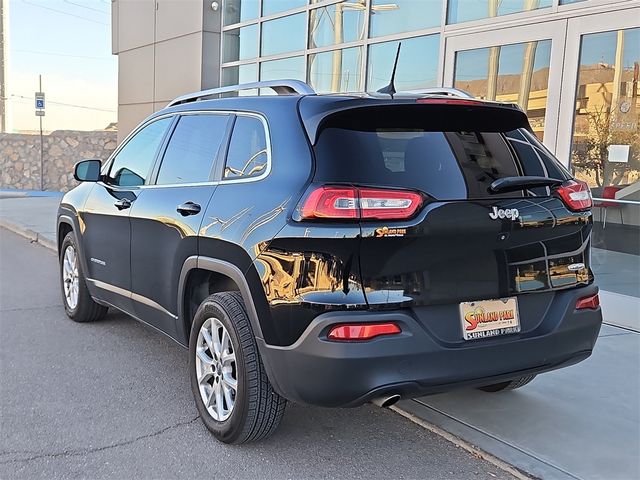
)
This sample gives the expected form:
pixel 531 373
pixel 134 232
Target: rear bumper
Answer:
pixel 419 361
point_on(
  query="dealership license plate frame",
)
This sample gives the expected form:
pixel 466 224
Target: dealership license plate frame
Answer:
pixel 489 329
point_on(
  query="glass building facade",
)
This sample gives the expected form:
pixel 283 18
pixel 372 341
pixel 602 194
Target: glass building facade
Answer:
pixel 572 65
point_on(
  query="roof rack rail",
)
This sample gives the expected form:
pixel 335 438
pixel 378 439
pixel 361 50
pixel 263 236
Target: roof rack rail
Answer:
pixel 281 87
pixel 453 92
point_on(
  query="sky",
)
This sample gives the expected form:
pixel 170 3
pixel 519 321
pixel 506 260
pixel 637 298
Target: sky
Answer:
pixel 68 42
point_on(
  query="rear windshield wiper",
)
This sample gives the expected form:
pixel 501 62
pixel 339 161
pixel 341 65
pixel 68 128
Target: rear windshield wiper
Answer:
pixel 512 184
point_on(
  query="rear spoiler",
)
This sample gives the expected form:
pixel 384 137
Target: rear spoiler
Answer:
pixel 430 113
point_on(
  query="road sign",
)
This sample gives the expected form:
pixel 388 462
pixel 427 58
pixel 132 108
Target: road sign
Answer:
pixel 39 99
pixel 39 102
pixel 39 113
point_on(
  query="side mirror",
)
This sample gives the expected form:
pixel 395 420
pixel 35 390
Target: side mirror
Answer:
pixel 87 171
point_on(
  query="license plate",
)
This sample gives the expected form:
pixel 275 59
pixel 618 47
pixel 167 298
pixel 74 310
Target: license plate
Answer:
pixel 488 318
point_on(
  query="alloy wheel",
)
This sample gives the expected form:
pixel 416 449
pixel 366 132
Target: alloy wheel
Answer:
pixel 216 369
pixel 70 278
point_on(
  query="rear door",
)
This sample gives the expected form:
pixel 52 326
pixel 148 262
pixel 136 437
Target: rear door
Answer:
pixel 166 218
pixel 465 243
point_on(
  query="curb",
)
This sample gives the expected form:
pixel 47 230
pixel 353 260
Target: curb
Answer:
pixel 458 442
pixel 32 236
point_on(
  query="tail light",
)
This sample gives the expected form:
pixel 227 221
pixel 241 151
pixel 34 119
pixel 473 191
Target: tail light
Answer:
pixel 333 202
pixel 575 194
pixel 362 331
pixel 449 101
pixel 591 302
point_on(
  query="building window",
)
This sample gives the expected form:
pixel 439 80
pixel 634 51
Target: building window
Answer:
pixel 270 7
pixel 286 34
pixel 336 71
pixel 240 74
pixel 606 142
pixel 236 11
pixel 467 10
pixel 517 73
pixel 389 17
pixel 240 44
pixel 286 68
pixel 335 24
pixel 417 64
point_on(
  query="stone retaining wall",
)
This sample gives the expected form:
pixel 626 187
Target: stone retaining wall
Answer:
pixel 20 157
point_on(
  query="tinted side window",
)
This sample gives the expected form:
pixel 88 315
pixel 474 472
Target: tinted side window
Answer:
pixel 531 163
pixel 247 155
pixel 133 162
pixel 553 166
pixel 192 149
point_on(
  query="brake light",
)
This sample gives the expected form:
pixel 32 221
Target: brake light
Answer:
pixel 366 203
pixel 590 302
pixel 575 194
pixel 448 101
pixel 362 331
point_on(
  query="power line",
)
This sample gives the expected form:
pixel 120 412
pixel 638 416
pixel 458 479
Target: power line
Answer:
pixel 62 12
pixel 88 8
pixel 67 104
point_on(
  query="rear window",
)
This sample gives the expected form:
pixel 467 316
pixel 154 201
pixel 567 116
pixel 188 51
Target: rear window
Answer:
pixel 446 165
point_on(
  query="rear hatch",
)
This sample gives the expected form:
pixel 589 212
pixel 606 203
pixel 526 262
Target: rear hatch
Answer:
pixel 418 178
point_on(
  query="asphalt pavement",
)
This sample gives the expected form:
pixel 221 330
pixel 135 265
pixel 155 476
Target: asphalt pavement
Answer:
pixel 111 399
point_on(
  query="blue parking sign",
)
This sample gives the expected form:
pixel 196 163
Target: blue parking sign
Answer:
pixel 39 102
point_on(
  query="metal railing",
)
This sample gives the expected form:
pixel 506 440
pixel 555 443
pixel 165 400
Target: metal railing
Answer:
pixel 613 200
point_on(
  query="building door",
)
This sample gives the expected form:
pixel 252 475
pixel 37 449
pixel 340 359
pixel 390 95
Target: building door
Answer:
pixel 520 64
pixel 600 134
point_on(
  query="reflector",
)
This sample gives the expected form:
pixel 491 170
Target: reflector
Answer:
pixel 591 302
pixel 362 331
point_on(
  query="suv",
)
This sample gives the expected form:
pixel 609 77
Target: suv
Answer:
pixel 335 249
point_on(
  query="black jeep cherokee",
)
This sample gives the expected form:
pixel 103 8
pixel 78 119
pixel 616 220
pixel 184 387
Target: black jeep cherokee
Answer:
pixel 335 249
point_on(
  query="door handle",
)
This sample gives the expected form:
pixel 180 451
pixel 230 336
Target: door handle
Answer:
pixel 188 208
pixel 122 204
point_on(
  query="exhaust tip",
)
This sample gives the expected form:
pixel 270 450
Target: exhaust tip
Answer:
pixel 386 401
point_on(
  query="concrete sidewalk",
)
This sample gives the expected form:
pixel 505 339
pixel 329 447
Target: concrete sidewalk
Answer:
pixel 582 422
pixel 31 215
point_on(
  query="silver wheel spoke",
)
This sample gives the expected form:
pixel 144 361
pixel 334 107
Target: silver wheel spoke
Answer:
pixel 219 406
pixel 224 343
pixel 228 358
pixel 211 397
pixel 206 335
pixel 228 396
pixel 229 381
pixel 204 358
pixel 217 345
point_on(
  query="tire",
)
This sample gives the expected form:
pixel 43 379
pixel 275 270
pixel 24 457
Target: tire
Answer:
pixel 510 385
pixel 253 410
pixel 85 309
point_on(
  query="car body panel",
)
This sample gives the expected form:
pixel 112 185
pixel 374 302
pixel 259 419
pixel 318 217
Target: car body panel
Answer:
pixel 161 240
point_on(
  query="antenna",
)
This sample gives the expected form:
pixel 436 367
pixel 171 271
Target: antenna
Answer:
pixel 391 88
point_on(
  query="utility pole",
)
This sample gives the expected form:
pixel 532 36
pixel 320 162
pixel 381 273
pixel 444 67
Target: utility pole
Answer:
pixel 40 114
pixel 4 67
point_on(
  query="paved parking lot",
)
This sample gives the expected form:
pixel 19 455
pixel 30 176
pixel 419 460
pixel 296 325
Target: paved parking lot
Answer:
pixel 111 399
